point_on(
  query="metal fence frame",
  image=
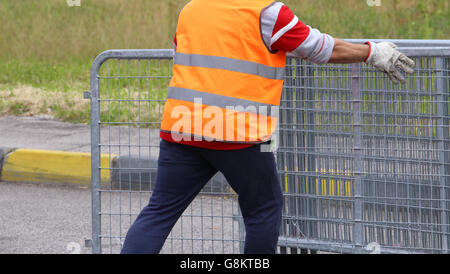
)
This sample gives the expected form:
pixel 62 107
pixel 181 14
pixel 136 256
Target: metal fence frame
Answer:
pixel 295 241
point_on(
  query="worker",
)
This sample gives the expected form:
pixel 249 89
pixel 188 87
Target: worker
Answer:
pixel 229 64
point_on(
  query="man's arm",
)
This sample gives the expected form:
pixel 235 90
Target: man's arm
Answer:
pixel 282 30
pixel 348 53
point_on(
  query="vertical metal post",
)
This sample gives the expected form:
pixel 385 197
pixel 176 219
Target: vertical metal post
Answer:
pixel 442 111
pixel 289 185
pixel 241 228
pixel 314 203
pixel 357 149
pixel 300 96
pixel 95 156
pixel 281 155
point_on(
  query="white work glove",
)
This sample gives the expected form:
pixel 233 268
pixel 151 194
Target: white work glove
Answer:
pixel 386 58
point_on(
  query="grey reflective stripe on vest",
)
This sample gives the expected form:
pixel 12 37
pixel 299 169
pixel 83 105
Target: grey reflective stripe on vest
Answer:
pixel 205 61
pixel 200 137
pixel 221 101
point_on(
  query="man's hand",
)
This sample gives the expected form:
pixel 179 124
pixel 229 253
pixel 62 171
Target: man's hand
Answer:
pixel 386 58
pixel 383 56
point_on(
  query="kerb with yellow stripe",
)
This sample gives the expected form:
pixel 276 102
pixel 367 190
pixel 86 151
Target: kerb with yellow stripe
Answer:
pixel 32 165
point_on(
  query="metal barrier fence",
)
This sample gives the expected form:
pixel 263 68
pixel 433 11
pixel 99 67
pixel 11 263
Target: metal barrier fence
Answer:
pixel 363 164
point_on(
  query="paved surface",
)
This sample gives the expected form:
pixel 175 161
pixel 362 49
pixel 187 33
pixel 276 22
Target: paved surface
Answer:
pixel 44 133
pixel 49 218
pixel 40 218
pixel 56 218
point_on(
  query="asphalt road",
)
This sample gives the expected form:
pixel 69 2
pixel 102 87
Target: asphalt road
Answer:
pixel 48 134
pixel 41 218
pixel 49 219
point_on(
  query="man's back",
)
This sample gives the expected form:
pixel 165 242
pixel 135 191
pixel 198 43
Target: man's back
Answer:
pixel 221 61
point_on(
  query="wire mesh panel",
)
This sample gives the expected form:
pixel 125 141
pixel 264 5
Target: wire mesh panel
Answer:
pixel 364 163
pixel 315 155
pixel 126 110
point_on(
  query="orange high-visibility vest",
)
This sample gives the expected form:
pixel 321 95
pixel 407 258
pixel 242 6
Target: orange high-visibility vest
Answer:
pixel 226 83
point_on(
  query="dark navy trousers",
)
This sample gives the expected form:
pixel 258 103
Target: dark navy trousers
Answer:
pixel 183 171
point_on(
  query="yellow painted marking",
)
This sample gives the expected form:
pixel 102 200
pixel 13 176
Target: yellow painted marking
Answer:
pixel 30 165
pixel 333 187
pixel 327 186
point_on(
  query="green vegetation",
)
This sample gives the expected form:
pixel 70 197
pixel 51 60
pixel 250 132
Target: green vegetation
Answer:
pixel 47 47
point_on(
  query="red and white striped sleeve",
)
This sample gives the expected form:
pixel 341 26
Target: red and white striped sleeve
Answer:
pixel 175 44
pixel 282 30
